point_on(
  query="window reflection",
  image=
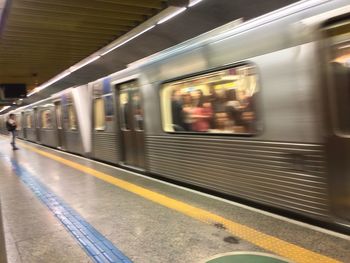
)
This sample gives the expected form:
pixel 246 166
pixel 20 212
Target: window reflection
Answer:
pixel 218 102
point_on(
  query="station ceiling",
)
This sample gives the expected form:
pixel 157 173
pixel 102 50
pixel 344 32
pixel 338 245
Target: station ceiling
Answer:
pixel 41 38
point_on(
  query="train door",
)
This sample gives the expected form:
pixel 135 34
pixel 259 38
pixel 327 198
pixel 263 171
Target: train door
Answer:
pixel 131 124
pixel 336 41
pixel 60 133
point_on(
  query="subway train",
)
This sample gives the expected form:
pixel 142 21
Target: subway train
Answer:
pixel 257 111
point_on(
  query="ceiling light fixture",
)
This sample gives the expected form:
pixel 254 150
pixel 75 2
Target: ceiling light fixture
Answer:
pixel 194 2
pixel 179 11
pixel 32 92
pixel 50 82
pixel 79 66
pixel 127 40
pixel 55 79
pixel 4 108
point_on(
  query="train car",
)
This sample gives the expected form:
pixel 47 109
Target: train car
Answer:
pixel 263 130
pixel 256 111
pixel 61 121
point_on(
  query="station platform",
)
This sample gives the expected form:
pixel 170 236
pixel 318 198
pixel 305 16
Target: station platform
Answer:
pixel 59 207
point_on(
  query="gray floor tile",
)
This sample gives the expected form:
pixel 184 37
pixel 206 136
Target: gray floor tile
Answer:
pixel 56 247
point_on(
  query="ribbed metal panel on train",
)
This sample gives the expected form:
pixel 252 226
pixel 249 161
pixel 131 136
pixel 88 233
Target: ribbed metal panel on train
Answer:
pixel 281 174
pixel 49 137
pixel 20 134
pixel 73 142
pixel 31 134
pixel 105 147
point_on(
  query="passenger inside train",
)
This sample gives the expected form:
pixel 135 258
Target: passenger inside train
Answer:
pixel 219 102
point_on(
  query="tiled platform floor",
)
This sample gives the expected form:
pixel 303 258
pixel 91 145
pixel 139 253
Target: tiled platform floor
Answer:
pixel 143 230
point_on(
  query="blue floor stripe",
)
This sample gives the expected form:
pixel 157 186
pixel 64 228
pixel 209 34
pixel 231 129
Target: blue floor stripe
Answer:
pixel 93 242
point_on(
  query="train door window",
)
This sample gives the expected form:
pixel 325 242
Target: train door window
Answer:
pixel 46 119
pixel 124 107
pixel 137 110
pixel 29 121
pixel 37 119
pixel 338 46
pixel 99 114
pixel 72 119
pixel 222 101
pixel 58 110
pixel 19 122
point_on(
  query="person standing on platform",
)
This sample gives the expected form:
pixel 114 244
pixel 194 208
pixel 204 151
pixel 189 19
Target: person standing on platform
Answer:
pixel 11 127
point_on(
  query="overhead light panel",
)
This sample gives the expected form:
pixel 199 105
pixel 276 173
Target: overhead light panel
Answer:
pixel 179 11
pixel 32 92
pixel 79 66
pixel 4 108
pixel 194 2
pixel 127 40
pixel 50 82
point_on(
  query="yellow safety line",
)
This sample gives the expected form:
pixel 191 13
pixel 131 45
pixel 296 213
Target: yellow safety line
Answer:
pixel 265 241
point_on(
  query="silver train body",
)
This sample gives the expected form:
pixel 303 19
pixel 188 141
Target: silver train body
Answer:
pixel 295 161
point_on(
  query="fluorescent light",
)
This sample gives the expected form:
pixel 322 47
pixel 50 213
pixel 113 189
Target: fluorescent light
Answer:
pixel 75 68
pixel 345 46
pixel 55 79
pixel 126 41
pixel 32 92
pixel 4 108
pixel 50 82
pixel 171 15
pixel 194 2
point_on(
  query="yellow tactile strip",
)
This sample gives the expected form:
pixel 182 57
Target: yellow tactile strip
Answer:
pixel 270 243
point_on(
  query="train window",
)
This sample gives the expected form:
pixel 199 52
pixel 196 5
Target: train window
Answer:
pixel 72 118
pixel 338 37
pixel 223 101
pixel 29 121
pixel 99 114
pixel 46 119
pixel 124 107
